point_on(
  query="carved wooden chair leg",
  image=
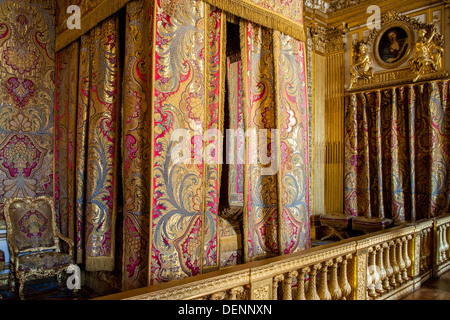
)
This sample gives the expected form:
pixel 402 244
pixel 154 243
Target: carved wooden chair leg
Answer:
pixel 21 285
pixel 11 281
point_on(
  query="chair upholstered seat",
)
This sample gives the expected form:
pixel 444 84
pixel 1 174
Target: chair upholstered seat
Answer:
pixel 34 241
pixel 44 260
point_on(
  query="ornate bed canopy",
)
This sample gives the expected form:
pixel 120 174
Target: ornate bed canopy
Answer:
pixel 127 80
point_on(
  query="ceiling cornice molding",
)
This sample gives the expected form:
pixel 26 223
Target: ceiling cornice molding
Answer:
pixel 336 12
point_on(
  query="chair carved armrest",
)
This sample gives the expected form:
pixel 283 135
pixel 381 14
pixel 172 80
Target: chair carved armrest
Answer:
pixel 69 241
pixel 13 247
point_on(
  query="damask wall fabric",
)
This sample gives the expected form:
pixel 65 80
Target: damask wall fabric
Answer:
pixel 93 132
pixel 27 71
pixel 396 152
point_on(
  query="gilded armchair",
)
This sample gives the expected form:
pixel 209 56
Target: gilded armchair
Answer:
pixel 34 241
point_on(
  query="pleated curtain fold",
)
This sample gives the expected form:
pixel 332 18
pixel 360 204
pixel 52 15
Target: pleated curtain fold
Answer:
pixel 276 193
pixel 397 152
pixel 123 94
pixel 102 147
pixel 88 90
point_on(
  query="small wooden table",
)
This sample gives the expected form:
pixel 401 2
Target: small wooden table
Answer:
pixel 338 223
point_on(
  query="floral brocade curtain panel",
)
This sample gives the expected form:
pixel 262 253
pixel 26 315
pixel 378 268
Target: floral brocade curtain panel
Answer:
pixel 276 206
pixel 185 83
pixel 188 82
pixel 128 97
pixel 87 120
pixel 397 152
pixel 94 104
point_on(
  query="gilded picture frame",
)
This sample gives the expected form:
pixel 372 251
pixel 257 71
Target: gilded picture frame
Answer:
pixel 393 44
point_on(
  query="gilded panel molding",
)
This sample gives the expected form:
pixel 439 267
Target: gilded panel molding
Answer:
pixel 192 291
pixel 327 40
pixel 413 60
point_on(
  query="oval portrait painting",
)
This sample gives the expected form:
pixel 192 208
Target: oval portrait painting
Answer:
pixel 393 46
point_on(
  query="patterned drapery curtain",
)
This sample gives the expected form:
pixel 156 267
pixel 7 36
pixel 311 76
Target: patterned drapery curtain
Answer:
pixel 136 144
pixel 276 205
pixel 397 152
pixel 168 73
pixel 87 113
pixel 261 194
pixel 88 163
pixel 293 122
pixel 188 90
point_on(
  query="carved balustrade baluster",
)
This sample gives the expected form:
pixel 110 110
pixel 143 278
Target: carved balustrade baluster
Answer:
pixel 218 296
pixel 276 280
pixel 426 249
pixel 387 264
pixel 406 257
pixel 343 278
pixel 236 292
pixel 439 237
pixel 335 291
pixel 371 268
pixel 324 292
pixel 395 267
pixel 312 288
pixel 301 284
pixel 401 263
pixel 287 285
pixel 423 256
pixel 380 269
pixel 447 234
pixel 444 242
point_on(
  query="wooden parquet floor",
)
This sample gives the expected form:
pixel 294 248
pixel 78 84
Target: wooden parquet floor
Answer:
pixel 433 289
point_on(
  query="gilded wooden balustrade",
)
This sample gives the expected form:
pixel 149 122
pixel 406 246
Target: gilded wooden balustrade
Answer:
pixel 383 265
pixel 441 254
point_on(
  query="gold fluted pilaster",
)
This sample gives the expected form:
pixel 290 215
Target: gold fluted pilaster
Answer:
pixel 334 133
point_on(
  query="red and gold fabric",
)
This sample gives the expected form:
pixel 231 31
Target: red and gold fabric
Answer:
pixel 261 196
pixel 136 144
pixel 65 136
pixel 173 78
pixel 396 152
pixel 92 171
pixel 186 90
pixel 27 68
pixel 293 125
pixel 215 95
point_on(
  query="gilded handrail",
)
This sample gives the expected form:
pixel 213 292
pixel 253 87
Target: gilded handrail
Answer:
pixel 381 265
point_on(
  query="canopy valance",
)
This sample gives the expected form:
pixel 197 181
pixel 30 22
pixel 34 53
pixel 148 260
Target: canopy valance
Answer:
pixel 283 16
